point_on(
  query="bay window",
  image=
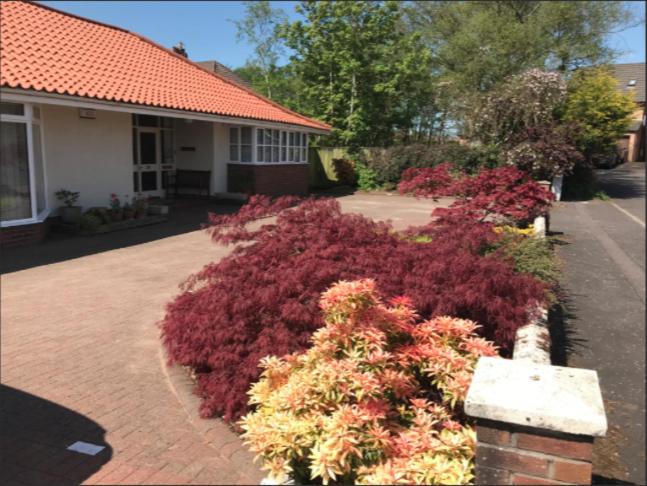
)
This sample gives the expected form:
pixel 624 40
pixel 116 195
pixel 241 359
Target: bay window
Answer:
pixel 268 146
pixel 22 172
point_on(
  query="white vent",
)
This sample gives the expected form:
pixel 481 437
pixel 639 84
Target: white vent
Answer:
pixel 632 82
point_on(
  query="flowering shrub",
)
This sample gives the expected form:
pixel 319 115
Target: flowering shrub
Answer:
pixel 263 298
pixel 529 231
pixel 377 399
pixel 114 202
pixel 522 101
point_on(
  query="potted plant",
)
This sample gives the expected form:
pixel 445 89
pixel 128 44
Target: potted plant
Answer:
pixel 128 210
pixel 116 213
pixel 140 204
pixel 69 213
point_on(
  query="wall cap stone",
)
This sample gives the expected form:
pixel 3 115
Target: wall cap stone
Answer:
pixel 548 397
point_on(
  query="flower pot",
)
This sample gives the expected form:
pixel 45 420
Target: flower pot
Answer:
pixel 71 214
pixel 129 214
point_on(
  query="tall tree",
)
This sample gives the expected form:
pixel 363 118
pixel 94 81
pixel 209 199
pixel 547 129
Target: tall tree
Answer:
pixel 359 67
pixel 479 43
pixel 599 108
pixel 259 28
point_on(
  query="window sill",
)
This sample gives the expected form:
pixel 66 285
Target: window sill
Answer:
pixel 21 222
pixel 267 164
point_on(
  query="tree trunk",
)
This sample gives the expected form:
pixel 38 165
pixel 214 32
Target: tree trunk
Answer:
pixel 353 93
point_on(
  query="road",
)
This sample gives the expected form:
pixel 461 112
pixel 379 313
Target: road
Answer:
pixel 603 254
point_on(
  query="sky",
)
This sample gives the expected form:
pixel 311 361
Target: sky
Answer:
pixel 207 30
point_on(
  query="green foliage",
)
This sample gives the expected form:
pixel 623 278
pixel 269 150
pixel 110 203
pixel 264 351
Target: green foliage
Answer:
pixel 602 196
pixel 361 71
pixel 478 44
pixel 367 178
pixel 279 83
pixel 388 164
pixel 601 111
pixel 259 28
pixel 67 197
pixel 90 223
pixel 345 171
pixel 581 185
pixel 531 255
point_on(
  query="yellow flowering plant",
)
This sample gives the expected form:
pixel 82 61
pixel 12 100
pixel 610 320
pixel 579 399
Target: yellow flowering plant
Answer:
pixel 513 230
pixel 377 399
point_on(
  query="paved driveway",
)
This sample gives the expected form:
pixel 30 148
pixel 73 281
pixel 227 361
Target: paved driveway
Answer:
pixel 81 361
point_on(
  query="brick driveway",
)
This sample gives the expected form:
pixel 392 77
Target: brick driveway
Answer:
pixel 81 361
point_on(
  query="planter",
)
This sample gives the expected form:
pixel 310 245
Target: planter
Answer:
pixel 116 215
pixel 125 224
pixel 71 214
pixel 158 209
pixel 141 213
pixel 128 214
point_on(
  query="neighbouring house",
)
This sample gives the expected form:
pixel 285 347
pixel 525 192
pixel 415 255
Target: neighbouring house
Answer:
pixel 225 72
pixel 631 79
pixel 97 109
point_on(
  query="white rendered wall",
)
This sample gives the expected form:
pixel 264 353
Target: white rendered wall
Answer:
pixel 92 156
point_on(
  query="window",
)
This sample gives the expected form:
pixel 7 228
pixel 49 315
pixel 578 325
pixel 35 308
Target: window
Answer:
pixel 233 144
pixel 23 197
pixel 246 144
pixel 269 145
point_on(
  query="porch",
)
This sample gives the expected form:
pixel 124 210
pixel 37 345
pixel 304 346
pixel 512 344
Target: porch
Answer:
pixel 133 152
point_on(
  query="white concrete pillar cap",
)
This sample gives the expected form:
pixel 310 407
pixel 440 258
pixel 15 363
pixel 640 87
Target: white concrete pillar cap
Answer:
pixel 548 397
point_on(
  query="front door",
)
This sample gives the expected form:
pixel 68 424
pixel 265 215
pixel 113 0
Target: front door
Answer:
pixel 147 168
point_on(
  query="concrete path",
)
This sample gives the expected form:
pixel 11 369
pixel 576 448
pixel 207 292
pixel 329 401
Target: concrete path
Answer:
pixel 81 362
pixel 604 318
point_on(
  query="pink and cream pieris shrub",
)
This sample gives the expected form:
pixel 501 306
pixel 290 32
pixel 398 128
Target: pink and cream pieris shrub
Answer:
pixel 376 399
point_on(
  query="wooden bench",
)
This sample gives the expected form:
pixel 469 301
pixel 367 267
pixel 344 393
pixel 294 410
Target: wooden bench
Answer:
pixel 193 179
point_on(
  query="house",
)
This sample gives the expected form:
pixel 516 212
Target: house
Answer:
pixel 631 79
pixel 97 109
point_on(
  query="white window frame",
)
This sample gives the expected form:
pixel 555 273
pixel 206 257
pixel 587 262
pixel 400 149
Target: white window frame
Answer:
pixel 28 119
pixel 301 149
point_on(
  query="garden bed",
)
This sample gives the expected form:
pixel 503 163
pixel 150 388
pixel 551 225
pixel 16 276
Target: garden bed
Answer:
pixel 127 224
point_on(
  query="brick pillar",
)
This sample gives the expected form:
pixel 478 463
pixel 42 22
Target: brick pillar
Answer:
pixel 513 454
pixel 535 423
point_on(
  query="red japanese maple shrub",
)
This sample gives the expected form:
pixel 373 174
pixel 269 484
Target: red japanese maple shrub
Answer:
pixel 504 194
pixel 263 298
pixel 427 182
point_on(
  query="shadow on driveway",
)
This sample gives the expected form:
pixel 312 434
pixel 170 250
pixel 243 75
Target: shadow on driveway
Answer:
pixel 35 435
pixel 185 215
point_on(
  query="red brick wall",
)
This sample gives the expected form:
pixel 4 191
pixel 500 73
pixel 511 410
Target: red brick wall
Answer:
pixel 272 180
pixel 510 454
pixel 27 234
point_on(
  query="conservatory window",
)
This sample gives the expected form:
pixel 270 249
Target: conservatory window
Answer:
pixel 22 172
pixel 270 146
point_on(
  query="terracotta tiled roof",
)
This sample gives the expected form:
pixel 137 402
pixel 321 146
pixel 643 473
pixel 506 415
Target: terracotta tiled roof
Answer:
pixel 44 49
pixel 625 73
